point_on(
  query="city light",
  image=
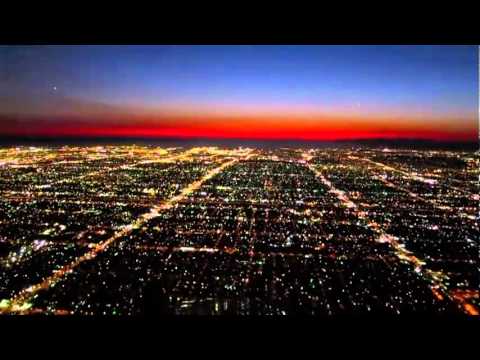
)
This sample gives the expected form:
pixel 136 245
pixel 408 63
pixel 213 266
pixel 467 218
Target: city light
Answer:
pixel 130 230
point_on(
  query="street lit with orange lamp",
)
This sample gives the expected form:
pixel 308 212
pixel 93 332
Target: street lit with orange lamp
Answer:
pixel 239 180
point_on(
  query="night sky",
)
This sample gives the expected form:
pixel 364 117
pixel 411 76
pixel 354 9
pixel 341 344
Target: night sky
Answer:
pixel 247 92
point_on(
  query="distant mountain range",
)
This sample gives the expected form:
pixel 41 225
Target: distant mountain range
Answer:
pixel 374 143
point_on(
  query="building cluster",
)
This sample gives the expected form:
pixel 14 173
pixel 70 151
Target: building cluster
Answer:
pixel 238 231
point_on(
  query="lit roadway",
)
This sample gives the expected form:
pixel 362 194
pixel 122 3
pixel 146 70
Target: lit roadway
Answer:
pixel 412 194
pixel 184 156
pixel 105 170
pixel 435 278
pixel 21 302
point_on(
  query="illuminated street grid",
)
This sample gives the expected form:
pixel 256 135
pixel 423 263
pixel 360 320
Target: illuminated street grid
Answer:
pixel 42 229
pixel 432 226
pixel 144 230
pixel 447 180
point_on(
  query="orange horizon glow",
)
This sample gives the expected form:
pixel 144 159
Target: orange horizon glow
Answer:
pixel 237 92
pixel 282 127
pixel 279 133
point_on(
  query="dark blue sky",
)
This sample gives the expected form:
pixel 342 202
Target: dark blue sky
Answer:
pixel 421 82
